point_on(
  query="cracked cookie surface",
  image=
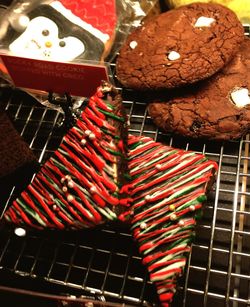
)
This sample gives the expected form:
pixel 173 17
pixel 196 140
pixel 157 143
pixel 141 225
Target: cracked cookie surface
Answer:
pixel 179 46
pixel 217 108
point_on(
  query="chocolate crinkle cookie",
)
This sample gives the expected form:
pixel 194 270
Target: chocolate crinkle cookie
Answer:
pixel 217 108
pixel 179 47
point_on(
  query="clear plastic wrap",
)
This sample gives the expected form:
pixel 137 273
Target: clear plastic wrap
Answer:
pixel 78 32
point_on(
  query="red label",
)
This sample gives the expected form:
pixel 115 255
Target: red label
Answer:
pixel 56 77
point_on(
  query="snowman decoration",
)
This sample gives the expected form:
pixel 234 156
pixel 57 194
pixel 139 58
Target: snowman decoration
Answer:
pixel 65 31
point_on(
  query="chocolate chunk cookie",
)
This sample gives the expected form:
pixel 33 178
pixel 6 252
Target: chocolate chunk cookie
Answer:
pixel 179 47
pixel 217 108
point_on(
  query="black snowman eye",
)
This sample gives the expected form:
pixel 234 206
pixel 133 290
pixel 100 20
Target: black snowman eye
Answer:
pixel 45 32
pixel 62 44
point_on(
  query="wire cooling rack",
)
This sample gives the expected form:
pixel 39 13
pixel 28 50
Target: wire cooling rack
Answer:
pixel 103 265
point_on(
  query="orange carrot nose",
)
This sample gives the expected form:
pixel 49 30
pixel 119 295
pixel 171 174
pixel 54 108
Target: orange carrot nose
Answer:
pixel 48 44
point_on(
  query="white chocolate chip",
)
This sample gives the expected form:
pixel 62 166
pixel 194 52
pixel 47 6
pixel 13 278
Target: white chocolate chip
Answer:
pixel 133 44
pixel 240 97
pixel 173 55
pixel 203 22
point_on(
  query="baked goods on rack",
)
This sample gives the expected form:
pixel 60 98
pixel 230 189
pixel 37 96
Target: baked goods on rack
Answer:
pixel 179 47
pixel 217 108
pixel 99 174
pixel 79 185
pixel 168 187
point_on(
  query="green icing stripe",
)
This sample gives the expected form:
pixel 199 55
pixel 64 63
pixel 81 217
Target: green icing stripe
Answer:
pixel 116 117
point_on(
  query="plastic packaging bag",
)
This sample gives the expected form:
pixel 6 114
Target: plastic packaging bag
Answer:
pixel 83 32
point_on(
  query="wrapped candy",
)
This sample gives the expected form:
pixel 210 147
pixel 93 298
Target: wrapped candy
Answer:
pixel 60 30
pixel 66 31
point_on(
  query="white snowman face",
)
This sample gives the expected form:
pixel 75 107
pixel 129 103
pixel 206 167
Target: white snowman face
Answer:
pixel 40 41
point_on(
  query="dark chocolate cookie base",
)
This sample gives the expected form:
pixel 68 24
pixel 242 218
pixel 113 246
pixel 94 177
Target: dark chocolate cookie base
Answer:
pixel 206 109
pixel 170 50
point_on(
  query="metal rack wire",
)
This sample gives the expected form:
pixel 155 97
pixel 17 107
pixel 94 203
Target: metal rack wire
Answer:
pixel 104 264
